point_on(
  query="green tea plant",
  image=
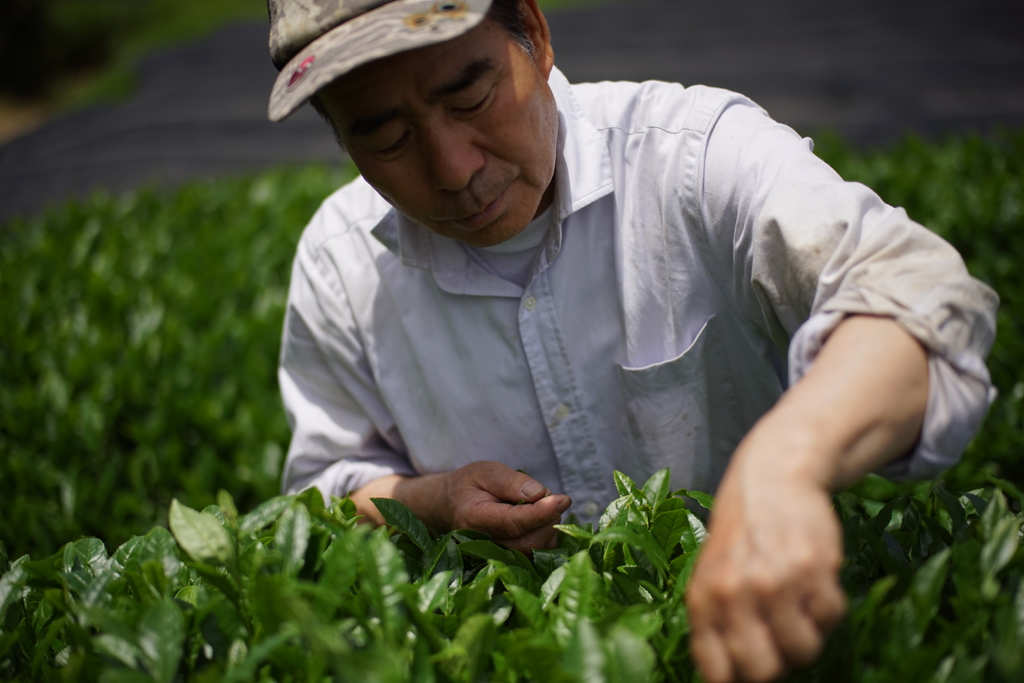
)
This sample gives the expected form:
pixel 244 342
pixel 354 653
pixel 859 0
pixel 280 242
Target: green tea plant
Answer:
pixel 297 591
pixel 138 355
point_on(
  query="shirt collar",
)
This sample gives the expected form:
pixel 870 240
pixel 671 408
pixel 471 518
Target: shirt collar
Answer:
pixel 583 174
pixel 583 167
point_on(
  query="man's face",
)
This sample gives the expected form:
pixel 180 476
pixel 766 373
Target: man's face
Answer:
pixel 459 136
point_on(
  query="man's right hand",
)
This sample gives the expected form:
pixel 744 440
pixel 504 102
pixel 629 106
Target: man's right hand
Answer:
pixel 514 509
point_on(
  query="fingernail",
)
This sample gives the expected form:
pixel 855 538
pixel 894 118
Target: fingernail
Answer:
pixel 531 489
pixel 564 505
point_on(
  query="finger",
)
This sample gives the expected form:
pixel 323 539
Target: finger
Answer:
pixel 502 520
pixel 725 614
pixel 711 655
pixel 509 485
pixel 797 634
pixel 827 604
pixel 754 654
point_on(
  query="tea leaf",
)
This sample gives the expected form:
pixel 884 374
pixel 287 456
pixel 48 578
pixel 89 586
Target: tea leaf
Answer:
pixel 161 635
pixel 471 648
pixel 12 586
pixel 998 550
pixel 550 588
pixel 292 537
pixel 200 535
pixel 489 550
pixel 615 513
pixel 547 561
pixel 430 594
pixel 529 606
pixel 926 587
pixel 118 649
pixel 227 505
pixel 584 655
pixel 629 658
pixel 157 546
pixel 404 521
pixel 577 590
pixel 445 558
pixel 705 500
pixel 955 509
pixel 658 487
pixel 264 515
pixel 575 531
pixel 668 529
pixel 1019 612
pixel 626 486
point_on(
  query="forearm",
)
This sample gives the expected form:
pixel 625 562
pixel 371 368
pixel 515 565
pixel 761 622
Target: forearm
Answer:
pixel 765 590
pixel 419 494
pixel 860 406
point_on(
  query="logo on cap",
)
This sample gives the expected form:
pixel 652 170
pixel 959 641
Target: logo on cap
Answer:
pixel 301 70
pixel 453 9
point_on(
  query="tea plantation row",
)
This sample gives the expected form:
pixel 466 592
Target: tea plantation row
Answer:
pixel 296 591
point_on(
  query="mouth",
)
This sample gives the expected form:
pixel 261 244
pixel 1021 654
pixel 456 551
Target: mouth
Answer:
pixel 481 219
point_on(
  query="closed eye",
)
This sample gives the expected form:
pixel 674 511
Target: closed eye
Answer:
pixel 472 109
pixel 392 149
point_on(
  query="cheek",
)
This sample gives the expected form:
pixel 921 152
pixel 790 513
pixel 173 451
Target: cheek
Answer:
pixel 542 138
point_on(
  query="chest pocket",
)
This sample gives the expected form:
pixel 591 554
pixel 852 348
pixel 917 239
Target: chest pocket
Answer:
pixel 682 413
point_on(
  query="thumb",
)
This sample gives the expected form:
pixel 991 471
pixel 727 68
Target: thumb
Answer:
pixel 504 521
pixel 518 487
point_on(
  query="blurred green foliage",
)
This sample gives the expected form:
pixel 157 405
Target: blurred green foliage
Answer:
pixel 140 336
pixel 139 355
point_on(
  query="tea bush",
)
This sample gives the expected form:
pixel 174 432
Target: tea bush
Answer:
pixel 139 355
pixel 296 591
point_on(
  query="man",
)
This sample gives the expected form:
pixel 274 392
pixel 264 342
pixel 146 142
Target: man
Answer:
pixel 533 284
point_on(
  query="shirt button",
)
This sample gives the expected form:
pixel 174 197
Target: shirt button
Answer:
pixel 529 303
pixel 590 509
pixel 562 411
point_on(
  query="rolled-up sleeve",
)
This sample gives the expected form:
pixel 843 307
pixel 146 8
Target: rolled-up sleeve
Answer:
pixel 342 434
pixel 803 250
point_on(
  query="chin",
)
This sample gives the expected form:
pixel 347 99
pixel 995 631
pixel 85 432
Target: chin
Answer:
pixel 499 234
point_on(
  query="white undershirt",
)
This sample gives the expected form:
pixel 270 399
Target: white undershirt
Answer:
pixel 512 260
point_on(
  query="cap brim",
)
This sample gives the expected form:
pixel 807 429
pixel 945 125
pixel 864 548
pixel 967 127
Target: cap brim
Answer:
pixel 389 29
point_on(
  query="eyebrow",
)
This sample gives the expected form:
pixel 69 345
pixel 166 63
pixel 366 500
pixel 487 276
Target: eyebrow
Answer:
pixel 362 127
pixel 365 126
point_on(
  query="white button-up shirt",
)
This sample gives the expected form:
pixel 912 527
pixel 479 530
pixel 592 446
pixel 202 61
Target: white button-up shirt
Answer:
pixel 695 245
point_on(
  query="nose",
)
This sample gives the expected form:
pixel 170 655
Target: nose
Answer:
pixel 451 157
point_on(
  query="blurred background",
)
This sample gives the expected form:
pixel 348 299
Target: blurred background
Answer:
pixel 149 214
pixel 113 94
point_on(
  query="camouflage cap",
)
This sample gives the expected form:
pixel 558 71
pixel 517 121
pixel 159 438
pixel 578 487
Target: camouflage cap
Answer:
pixel 313 42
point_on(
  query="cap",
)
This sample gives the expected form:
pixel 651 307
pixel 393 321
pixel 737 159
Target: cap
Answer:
pixel 313 42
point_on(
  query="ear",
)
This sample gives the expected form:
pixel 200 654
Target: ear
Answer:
pixel 536 25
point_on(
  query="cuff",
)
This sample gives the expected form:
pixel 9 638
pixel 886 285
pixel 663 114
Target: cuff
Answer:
pixel 959 395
